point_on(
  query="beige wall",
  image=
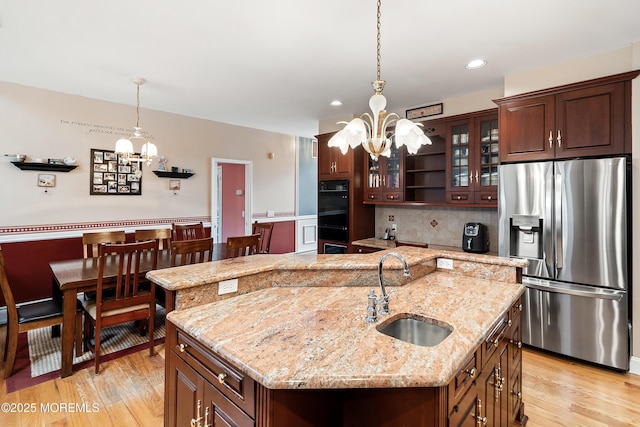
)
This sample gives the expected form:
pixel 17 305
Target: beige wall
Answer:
pixel 47 124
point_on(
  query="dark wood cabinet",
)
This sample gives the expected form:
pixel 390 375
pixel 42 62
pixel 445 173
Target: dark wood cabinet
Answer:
pixel 383 182
pixel 472 159
pixel 205 389
pixel 585 119
pixel 201 389
pixel 332 164
pixel 488 390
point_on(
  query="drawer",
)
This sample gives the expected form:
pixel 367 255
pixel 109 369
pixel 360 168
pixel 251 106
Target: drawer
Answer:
pixel 236 386
pixel 487 197
pixel 463 379
pixel 371 197
pixel 458 197
pixel 497 337
pixel 393 197
pixel 364 249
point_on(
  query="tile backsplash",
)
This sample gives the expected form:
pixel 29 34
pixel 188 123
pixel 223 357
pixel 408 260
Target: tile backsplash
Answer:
pixel 435 225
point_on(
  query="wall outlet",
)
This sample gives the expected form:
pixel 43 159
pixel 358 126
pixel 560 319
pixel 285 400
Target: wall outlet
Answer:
pixel 394 227
pixel 445 263
pixel 271 214
pixel 227 286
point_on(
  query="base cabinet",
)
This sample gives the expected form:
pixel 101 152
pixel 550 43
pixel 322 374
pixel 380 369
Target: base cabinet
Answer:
pixel 202 389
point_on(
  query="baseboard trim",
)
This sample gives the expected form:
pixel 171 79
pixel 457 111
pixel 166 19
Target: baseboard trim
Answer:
pixel 634 365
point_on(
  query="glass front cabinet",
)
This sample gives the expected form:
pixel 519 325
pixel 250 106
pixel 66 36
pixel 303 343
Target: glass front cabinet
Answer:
pixel 384 178
pixel 472 160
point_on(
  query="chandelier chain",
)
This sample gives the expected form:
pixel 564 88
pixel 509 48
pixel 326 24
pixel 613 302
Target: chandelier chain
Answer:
pixel 378 42
pixel 138 105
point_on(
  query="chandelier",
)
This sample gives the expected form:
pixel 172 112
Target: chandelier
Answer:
pixel 370 130
pixel 124 146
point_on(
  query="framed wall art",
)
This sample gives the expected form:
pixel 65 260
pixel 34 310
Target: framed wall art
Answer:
pixel 46 180
pixel 426 111
pixel 112 174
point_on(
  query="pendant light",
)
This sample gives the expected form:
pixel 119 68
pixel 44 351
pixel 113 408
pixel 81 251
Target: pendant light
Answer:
pixel 370 130
pixel 124 146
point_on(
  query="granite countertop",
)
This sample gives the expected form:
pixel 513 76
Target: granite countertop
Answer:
pixel 316 337
pixel 189 276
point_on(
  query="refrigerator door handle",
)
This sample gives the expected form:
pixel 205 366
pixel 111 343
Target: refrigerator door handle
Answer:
pixel 577 290
pixel 558 220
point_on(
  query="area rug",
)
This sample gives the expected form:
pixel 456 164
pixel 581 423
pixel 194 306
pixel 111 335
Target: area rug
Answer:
pixel 38 356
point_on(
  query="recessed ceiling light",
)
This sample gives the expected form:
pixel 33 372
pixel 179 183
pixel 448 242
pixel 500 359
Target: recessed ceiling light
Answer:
pixel 336 103
pixel 476 63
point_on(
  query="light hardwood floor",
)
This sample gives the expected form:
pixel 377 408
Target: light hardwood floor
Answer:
pixel 129 391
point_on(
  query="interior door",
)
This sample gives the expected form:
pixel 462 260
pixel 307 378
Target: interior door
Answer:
pixel 231 198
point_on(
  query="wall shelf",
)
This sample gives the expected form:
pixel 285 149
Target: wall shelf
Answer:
pixel 165 174
pixel 31 166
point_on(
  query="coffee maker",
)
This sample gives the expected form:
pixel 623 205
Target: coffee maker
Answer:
pixel 475 238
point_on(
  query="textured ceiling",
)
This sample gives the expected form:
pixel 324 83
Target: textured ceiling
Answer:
pixel 276 65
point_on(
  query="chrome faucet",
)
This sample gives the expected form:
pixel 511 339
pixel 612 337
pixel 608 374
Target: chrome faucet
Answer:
pixel 384 300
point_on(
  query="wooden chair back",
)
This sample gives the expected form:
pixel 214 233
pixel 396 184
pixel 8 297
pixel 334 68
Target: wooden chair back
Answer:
pixel 243 245
pixel 129 302
pixel 187 231
pixel 162 235
pixel 184 252
pixel 92 241
pixel 30 316
pixel 265 230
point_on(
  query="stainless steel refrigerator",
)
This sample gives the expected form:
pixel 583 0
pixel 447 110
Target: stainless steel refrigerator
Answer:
pixel 570 219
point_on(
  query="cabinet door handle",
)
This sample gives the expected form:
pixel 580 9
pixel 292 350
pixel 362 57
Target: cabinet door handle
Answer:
pixel 182 348
pixel 206 417
pixel 559 139
pixel 550 139
pixel 196 422
pixel 516 343
pixel 477 182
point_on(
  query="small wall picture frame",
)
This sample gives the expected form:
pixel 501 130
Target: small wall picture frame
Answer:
pixel 46 180
pixel 174 184
pixel 426 111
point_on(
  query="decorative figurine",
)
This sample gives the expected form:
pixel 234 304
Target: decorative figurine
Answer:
pixel 162 164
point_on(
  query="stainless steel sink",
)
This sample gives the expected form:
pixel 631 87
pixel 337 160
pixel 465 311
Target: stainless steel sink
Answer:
pixel 416 330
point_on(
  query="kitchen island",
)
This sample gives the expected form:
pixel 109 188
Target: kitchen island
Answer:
pixel 304 355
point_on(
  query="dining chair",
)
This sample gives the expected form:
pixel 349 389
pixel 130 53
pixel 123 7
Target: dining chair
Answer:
pixel 91 241
pixel 417 245
pixel 162 235
pixel 29 316
pixel 187 231
pixel 128 302
pixel 265 230
pixel 184 252
pixel 243 245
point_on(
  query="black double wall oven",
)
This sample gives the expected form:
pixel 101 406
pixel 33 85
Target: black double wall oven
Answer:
pixel 333 213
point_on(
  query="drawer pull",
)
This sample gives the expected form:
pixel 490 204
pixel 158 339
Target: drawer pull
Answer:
pixel 222 377
pixel 182 347
pixel 516 343
pixel 496 342
pixel 471 372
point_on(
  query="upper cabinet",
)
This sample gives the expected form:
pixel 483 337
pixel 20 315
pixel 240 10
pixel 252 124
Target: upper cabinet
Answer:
pixel 383 181
pixel 472 159
pixel 332 164
pixel 590 118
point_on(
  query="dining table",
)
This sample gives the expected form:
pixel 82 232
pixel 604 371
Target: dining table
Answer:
pixel 81 275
